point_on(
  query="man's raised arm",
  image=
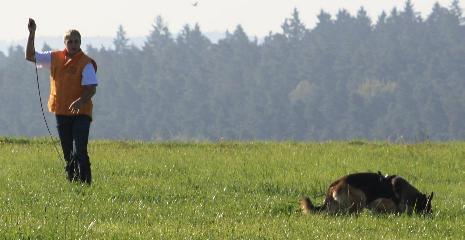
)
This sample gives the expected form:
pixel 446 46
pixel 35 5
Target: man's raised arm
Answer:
pixel 30 49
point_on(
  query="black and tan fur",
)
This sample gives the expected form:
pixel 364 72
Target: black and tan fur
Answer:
pixel 354 192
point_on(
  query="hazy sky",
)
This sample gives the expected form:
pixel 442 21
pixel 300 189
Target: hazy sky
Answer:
pixel 102 17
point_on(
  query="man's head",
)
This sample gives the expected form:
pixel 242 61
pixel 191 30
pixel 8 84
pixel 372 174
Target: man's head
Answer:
pixel 72 40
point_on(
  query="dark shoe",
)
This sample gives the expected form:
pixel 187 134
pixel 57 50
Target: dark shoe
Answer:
pixel 71 171
pixel 85 174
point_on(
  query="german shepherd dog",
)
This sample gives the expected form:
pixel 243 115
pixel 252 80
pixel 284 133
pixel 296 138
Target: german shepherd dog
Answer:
pixel 381 194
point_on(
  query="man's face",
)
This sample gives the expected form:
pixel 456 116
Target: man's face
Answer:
pixel 73 44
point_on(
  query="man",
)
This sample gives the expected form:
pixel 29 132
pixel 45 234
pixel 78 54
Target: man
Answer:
pixel 73 82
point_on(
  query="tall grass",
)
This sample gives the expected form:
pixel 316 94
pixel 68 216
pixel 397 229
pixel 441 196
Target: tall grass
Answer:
pixel 230 190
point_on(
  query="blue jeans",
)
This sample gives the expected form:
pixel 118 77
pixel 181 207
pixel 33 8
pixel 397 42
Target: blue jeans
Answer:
pixel 74 136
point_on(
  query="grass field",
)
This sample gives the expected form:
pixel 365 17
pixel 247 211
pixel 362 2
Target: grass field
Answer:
pixel 230 190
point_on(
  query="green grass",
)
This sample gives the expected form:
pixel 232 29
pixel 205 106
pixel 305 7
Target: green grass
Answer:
pixel 230 190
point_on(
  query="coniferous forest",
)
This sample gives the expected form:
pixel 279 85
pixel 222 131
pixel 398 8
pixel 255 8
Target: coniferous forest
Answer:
pixel 397 77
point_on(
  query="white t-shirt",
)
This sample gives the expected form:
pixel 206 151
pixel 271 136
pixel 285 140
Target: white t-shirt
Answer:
pixel 89 77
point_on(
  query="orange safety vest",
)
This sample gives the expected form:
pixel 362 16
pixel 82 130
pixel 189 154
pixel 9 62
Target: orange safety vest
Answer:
pixel 65 83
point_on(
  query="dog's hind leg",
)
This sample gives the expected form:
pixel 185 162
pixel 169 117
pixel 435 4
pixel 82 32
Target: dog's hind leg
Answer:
pixel 383 206
pixel 357 199
pixel 347 199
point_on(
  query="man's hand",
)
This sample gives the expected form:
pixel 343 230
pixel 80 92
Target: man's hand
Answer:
pixel 31 25
pixel 75 106
pixel 87 93
pixel 30 49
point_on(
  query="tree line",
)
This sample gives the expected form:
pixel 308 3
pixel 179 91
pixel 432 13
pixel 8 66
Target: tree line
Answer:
pixel 400 76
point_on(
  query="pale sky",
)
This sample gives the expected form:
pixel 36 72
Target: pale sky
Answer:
pixel 102 17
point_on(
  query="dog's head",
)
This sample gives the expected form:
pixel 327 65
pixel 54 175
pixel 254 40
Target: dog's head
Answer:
pixel 423 204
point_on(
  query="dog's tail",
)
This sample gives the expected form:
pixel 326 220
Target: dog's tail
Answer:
pixel 307 206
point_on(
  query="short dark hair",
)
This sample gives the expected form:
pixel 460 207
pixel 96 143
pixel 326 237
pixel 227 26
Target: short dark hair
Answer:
pixel 71 32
